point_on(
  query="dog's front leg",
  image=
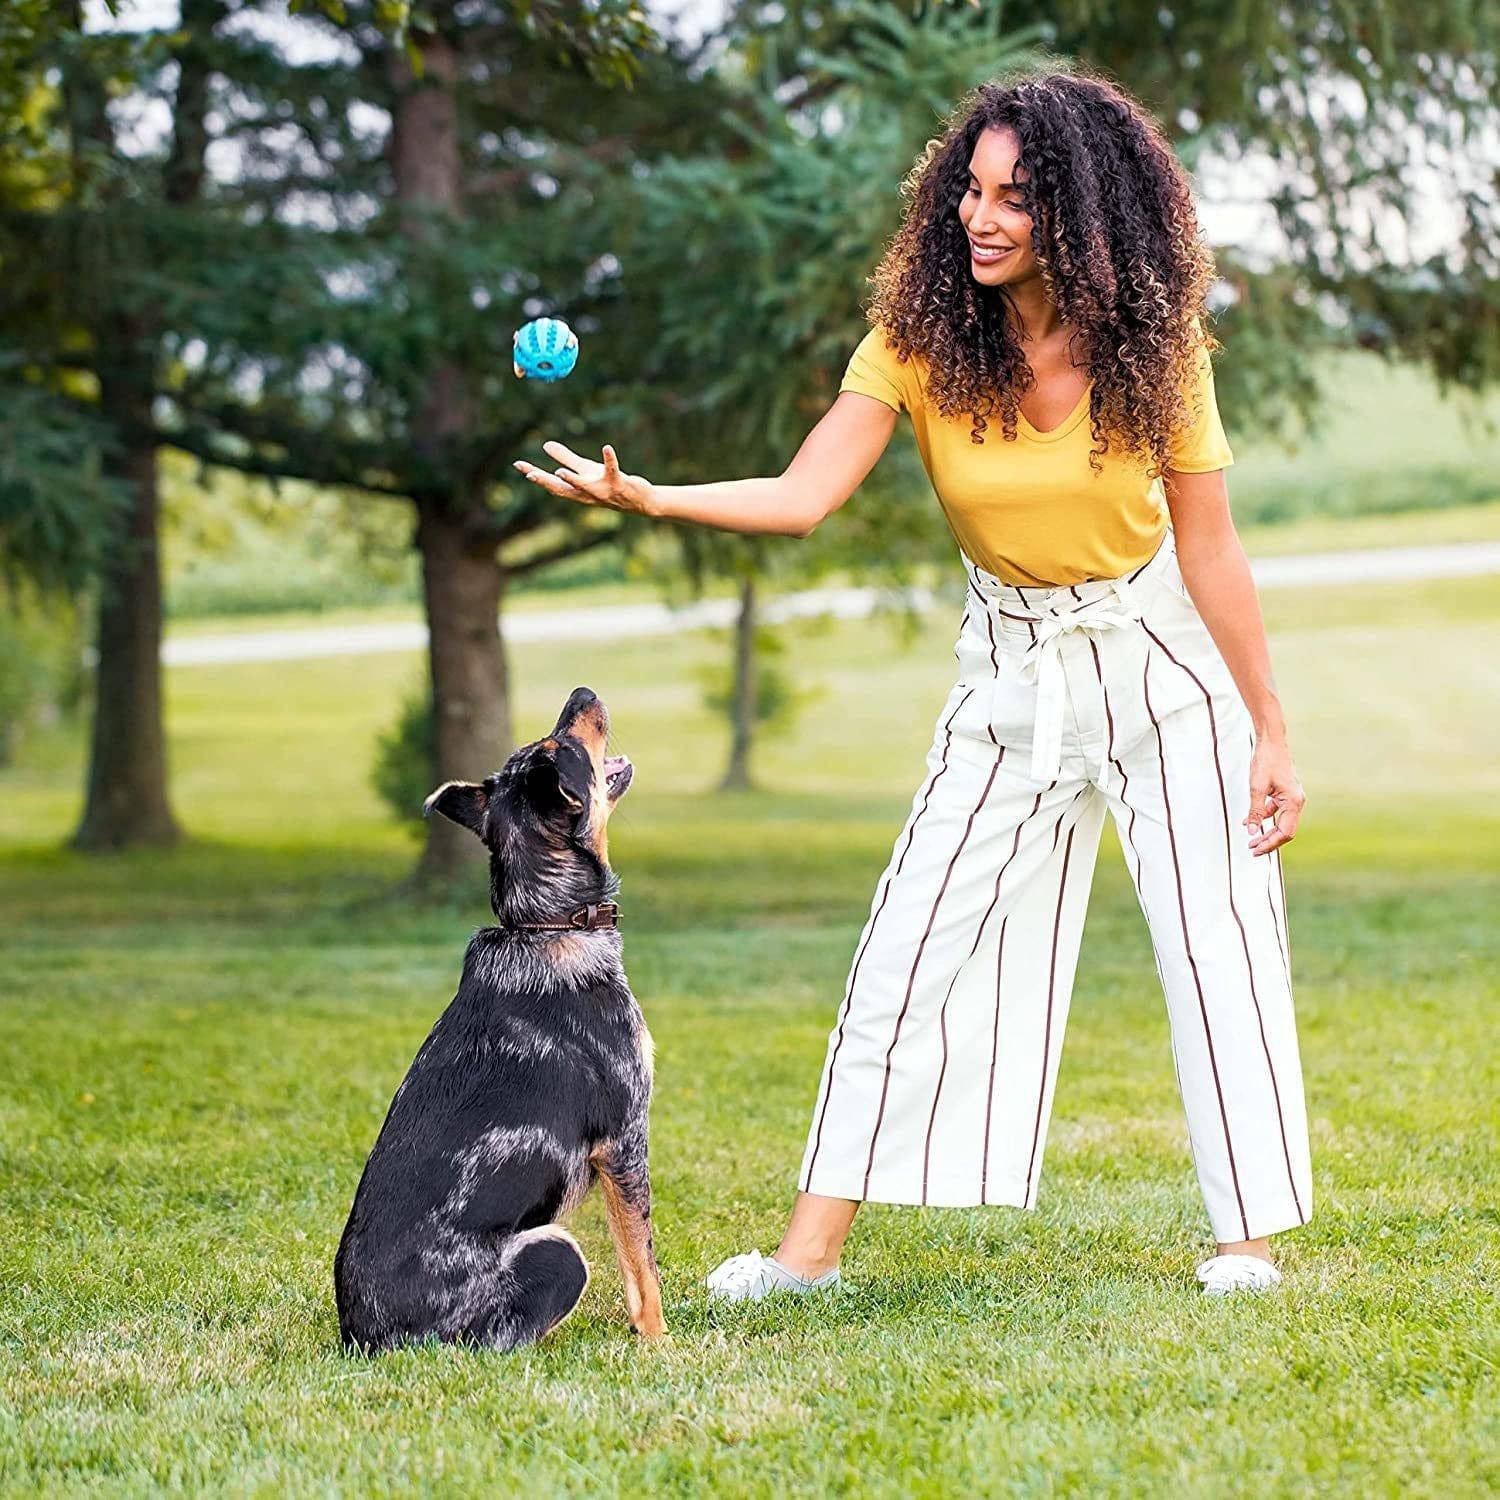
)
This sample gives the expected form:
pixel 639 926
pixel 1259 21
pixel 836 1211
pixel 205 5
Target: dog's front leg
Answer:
pixel 626 1184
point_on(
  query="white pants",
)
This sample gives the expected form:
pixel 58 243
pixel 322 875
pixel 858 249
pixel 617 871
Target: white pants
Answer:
pixel 938 1080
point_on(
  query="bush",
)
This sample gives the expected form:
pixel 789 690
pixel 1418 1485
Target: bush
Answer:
pixel 42 675
pixel 778 698
pixel 404 757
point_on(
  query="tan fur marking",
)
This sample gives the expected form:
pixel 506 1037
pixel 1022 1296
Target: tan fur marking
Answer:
pixel 591 729
pixel 632 1239
pixel 600 819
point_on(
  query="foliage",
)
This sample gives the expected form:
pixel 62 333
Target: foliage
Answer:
pixel 60 514
pixel 609 35
pixel 42 676
pixel 779 236
pixel 298 318
pixel 306 312
pixel 401 773
pixel 1368 118
pixel 307 315
pixel 780 693
pixel 236 545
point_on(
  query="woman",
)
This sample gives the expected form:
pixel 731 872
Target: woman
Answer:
pixel 1049 272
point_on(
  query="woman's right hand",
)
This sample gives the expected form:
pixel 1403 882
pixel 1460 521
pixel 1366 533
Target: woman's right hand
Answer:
pixel 591 483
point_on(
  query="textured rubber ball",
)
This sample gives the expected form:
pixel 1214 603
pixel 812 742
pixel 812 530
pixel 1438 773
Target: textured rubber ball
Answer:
pixel 544 349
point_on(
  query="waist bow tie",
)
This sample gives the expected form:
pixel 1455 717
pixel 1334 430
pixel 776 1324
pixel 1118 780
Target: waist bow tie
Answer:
pixel 1042 664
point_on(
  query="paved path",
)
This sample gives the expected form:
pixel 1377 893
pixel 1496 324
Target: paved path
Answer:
pixel 613 621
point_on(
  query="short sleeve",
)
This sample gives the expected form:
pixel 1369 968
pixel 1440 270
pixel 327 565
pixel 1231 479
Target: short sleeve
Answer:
pixel 874 370
pixel 1201 446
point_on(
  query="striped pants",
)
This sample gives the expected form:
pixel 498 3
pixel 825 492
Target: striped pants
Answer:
pixel 938 1079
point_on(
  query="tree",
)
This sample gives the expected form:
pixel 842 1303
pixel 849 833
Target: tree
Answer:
pixel 372 349
pixel 172 299
pixel 127 801
pixel 75 209
pixel 338 306
pixel 344 316
pixel 1346 108
pixel 813 196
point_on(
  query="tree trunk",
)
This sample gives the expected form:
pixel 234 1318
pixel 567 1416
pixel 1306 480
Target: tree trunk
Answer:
pixel 126 801
pixel 127 784
pixel 737 776
pixel 462 585
pixel 461 577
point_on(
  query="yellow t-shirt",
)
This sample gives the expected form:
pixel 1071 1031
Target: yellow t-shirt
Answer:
pixel 1032 511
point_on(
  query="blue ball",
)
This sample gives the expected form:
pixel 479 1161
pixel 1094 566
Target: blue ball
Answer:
pixel 544 349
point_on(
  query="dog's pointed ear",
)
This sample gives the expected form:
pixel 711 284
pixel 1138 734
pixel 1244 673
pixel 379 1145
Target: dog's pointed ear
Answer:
pixel 462 802
pixel 552 779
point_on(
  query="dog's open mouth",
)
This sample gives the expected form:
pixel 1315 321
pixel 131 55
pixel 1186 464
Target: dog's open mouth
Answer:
pixel 617 774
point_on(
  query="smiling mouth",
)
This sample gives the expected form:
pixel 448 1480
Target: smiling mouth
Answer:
pixel 617 775
pixel 988 254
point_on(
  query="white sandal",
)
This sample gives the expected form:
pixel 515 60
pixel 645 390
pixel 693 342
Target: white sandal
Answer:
pixel 748 1278
pixel 1237 1273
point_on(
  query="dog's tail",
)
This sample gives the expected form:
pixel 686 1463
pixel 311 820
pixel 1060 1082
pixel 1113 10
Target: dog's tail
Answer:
pixel 543 1274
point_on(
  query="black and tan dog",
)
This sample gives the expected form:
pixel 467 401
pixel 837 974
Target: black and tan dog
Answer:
pixel 533 1083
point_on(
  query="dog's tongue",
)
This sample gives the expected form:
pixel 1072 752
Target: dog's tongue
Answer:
pixel 613 763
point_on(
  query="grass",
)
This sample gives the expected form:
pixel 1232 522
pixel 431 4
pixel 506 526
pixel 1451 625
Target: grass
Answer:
pixel 1385 442
pixel 201 1046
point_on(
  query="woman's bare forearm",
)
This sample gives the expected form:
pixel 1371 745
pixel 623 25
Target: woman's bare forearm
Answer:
pixel 759 506
pixel 1217 574
pixel 829 466
pixel 1223 589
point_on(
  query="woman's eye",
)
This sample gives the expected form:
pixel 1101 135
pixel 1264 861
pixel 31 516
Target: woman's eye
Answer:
pixel 1014 204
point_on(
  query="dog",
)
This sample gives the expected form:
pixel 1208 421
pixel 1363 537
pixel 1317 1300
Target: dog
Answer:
pixel 534 1083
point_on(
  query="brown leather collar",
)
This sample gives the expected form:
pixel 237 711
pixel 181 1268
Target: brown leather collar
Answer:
pixel 584 919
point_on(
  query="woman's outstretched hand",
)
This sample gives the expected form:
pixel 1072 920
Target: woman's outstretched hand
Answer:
pixel 591 483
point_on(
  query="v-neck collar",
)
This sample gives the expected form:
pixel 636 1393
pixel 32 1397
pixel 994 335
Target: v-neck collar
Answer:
pixel 1063 428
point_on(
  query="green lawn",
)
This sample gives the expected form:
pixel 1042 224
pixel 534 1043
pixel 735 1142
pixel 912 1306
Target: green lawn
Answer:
pixel 200 1047
pixel 1386 441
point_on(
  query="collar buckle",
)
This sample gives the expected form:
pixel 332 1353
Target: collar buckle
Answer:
pixel 602 914
pixel 588 918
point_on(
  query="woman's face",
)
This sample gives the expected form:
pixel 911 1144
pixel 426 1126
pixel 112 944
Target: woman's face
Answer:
pixel 992 214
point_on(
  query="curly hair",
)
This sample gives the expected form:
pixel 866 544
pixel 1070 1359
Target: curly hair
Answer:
pixel 1116 241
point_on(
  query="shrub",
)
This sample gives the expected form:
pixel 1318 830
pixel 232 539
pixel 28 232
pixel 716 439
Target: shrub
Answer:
pixel 404 757
pixel 778 698
pixel 42 673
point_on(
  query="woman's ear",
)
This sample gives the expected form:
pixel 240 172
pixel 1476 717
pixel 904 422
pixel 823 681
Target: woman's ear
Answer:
pixel 462 802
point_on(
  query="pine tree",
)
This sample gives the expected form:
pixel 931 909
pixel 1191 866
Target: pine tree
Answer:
pixel 223 314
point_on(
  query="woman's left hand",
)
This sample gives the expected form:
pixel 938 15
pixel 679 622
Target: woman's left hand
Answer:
pixel 1275 793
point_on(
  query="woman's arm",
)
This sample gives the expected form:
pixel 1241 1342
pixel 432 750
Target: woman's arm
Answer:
pixel 1217 574
pixel 829 466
